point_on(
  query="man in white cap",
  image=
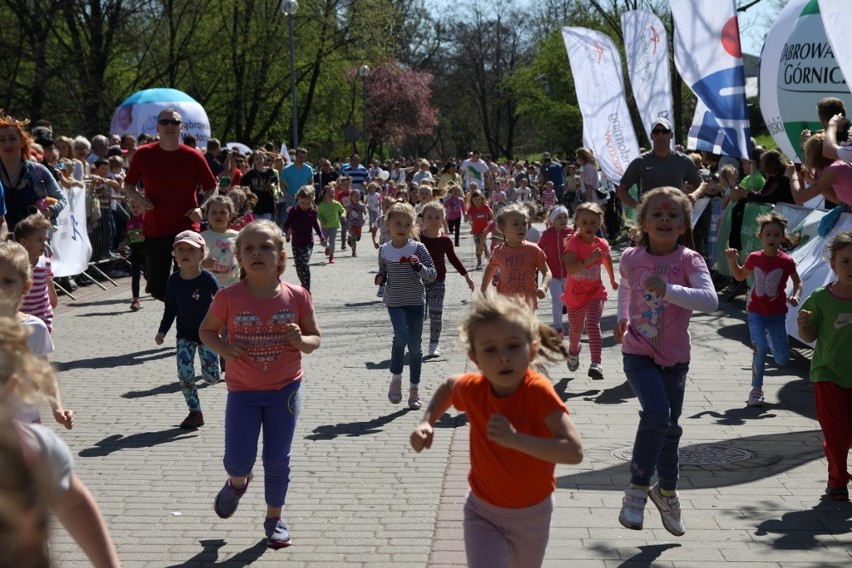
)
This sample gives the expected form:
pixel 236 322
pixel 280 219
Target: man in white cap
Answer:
pixel 661 166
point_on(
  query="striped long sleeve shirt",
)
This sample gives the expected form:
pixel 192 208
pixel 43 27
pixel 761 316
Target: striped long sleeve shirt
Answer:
pixel 403 284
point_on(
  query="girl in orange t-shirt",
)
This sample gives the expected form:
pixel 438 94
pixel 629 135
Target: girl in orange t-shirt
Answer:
pixel 519 428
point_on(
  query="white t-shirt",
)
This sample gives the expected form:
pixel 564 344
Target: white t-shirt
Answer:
pixel 474 172
pixel 41 345
pixel 45 444
pixel 845 153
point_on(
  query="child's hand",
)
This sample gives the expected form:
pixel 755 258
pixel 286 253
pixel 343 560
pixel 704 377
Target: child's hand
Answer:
pixel 500 430
pixel 620 330
pixel 414 260
pixel 234 351
pixel 159 339
pixel 657 285
pixel 596 255
pixel 380 279
pixel 793 300
pixel 375 244
pixel 732 254
pixel 293 333
pixel 64 416
pixel 613 284
pixel 469 281
pixel 540 293
pixel 803 317
pixel 421 437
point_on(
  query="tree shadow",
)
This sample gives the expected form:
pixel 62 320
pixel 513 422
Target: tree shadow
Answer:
pixel 210 552
pixel 772 454
pixel 113 361
pixel 118 442
pixel 797 530
pixel 374 426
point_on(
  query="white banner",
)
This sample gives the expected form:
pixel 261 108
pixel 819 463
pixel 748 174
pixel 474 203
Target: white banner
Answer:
pixel 837 21
pixel 708 55
pixel 646 50
pixel 607 129
pixel 70 241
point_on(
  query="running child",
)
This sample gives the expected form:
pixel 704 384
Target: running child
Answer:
pixel 518 260
pixel 404 266
pixel 330 214
pixel 549 198
pixel 32 233
pixel 356 216
pixel 662 282
pixel 479 214
pixel 24 377
pixel 585 294
pixel 244 201
pixel 342 193
pixel 189 292
pixel 136 241
pixel 552 242
pixel 767 300
pixel 264 370
pixel 825 317
pixel 380 228
pixel 373 201
pixel 300 226
pixel 519 430
pixel 455 207
pixel 441 249
pixel 221 241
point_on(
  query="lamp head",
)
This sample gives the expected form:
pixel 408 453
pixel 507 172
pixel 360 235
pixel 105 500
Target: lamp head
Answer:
pixel 289 7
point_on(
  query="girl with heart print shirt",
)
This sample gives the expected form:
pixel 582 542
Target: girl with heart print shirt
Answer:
pixel 270 324
pixel 404 265
pixel 767 300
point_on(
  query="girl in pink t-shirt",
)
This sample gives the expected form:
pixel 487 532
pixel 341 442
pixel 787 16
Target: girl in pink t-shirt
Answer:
pixel 270 324
pixel 585 294
pixel 662 282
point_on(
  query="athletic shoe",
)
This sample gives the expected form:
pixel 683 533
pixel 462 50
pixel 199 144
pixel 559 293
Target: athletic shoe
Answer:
pixel 211 380
pixel 135 305
pixel 354 253
pixel 633 509
pixel 381 292
pixel 596 371
pixel 414 402
pixel 277 533
pixel 573 362
pixel 331 261
pixel 434 350
pixel 755 397
pixel 669 508
pixel 395 389
pixel 836 494
pixel 193 420
pixel 228 498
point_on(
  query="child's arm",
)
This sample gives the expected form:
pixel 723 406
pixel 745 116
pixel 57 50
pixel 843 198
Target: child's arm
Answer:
pixel 374 230
pixel 607 262
pixel 457 264
pixel 208 333
pixel 78 512
pixel 797 288
pixel 543 269
pixel 169 315
pixel 51 293
pixel 305 335
pixel 564 447
pixel 737 271
pixel 490 270
pixel 64 416
pixel 573 265
pixel 807 330
pixel 699 296
pixel 421 437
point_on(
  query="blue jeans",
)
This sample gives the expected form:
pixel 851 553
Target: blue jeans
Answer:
pixel 768 333
pixel 276 412
pixel 660 393
pixel 407 322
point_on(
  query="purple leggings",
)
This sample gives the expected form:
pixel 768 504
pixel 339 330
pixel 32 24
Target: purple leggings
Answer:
pixel 276 412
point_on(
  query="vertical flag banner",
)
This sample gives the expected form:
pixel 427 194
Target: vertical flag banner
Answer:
pixel 709 58
pixel 607 129
pixel 837 21
pixel 70 242
pixel 646 49
pixel 798 67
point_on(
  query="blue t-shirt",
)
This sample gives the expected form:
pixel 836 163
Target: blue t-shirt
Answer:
pixel 296 178
pixel 555 173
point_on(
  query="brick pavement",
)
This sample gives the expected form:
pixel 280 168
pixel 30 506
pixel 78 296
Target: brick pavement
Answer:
pixel 360 497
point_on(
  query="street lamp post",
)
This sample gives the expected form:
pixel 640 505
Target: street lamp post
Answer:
pixel 289 9
pixel 363 72
pixel 543 79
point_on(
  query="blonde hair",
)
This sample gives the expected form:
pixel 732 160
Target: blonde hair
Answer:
pixel 30 224
pixel 587 156
pixel 588 207
pixel 16 255
pixel 771 218
pixel 405 210
pixel 35 377
pixel 676 195
pixel 270 228
pixel 491 307
pixel 223 200
pixel 515 209
pixel 305 192
pixel 840 241
pixel 436 205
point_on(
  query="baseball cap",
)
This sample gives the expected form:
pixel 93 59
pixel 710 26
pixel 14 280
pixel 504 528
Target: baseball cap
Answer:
pixel 116 150
pixel 661 122
pixel 190 238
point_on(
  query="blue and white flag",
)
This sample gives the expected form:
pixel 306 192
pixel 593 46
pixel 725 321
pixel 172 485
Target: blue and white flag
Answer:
pixel 709 58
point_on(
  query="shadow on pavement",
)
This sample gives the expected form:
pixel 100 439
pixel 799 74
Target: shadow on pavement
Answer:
pixel 354 429
pixel 113 361
pixel 772 455
pixel 111 302
pixel 648 554
pixel 118 442
pixel 795 396
pixel 168 388
pixel 797 530
pixel 210 552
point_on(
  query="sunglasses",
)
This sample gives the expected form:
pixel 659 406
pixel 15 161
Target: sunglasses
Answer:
pixel 169 122
pixel 660 131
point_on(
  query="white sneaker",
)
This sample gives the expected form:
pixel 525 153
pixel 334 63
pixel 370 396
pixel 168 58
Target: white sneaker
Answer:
pixel 395 389
pixel 596 371
pixel 434 350
pixel 573 362
pixel 633 509
pixel 755 397
pixel 669 508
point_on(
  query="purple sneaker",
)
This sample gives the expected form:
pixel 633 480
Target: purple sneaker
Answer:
pixel 277 533
pixel 228 498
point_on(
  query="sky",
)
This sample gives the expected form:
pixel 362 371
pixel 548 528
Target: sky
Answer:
pixel 755 22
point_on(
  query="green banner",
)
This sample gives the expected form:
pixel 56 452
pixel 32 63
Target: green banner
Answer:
pixel 748 234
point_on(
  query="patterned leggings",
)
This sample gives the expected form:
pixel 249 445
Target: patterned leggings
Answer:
pixel 330 239
pixel 302 260
pixel 590 314
pixel 435 306
pixel 210 372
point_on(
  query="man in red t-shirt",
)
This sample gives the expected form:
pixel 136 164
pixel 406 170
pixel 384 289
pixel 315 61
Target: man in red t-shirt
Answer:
pixel 170 172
